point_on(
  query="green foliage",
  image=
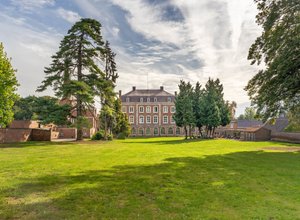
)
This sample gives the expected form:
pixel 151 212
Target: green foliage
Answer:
pixel 184 115
pixel 294 120
pixel 74 70
pixel 122 136
pixel 8 88
pixel 46 109
pixel 98 136
pixel 276 87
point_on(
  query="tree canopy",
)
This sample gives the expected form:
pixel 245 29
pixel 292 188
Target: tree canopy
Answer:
pixel 46 109
pixel 8 87
pixel 276 88
pixel 75 70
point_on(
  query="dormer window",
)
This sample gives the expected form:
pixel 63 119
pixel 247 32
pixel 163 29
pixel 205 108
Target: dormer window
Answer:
pixel 148 99
pixel 155 99
pixel 127 99
pixel 169 99
pixel 141 99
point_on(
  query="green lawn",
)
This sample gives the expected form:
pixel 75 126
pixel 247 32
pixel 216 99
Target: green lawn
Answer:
pixel 155 178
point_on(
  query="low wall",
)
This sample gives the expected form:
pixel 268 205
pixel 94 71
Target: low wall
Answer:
pixel 286 136
pixel 67 133
pixel 41 135
pixel 8 135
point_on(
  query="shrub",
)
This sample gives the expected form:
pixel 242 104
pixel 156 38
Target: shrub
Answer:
pixel 109 137
pixel 98 135
pixel 121 136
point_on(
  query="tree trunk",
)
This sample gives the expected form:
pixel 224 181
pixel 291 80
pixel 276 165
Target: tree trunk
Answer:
pixel 213 132
pixel 200 132
pixel 79 101
pixel 185 130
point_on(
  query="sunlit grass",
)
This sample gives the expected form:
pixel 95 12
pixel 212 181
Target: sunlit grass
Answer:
pixel 151 178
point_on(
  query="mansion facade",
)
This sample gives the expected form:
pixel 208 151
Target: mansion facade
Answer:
pixel 150 112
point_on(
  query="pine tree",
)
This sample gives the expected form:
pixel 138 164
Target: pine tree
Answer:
pixel 8 87
pixel 184 115
pixel 74 70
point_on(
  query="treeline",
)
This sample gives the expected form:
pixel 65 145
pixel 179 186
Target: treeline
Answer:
pixel 203 108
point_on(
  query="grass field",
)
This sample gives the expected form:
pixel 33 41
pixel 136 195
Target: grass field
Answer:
pixel 154 178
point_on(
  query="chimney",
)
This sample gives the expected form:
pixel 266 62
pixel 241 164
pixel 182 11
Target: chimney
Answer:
pixel 161 88
pixel 175 93
pixel 120 93
pixel 133 88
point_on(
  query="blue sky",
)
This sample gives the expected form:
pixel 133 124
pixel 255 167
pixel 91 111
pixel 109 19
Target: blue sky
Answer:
pixel 166 40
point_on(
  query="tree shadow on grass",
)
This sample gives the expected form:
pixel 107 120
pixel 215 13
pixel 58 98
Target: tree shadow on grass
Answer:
pixel 244 185
pixel 34 144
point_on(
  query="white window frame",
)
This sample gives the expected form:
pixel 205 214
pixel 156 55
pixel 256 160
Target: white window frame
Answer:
pixel 131 119
pixel 141 108
pixel 155 121
pixel 165 109
pixel 173 109
pixel 169 99
pixel 148 117
pixel 141 119
pixel 148 99
pixel 156 106
pixel 131 109
pixel 127 99
pixel 141 99
pixel 148 109
pixel 124 109
pixel 155 99
pixel 165 117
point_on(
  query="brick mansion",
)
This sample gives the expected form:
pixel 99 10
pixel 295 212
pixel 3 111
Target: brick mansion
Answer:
pixel 150 112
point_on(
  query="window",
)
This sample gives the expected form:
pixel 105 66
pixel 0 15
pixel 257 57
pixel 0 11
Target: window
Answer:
pixel 123 108
pixel 141 119
pixel 127 99
pixel 148 119
pixel 178 130
pixel 155 119
pixel 131 119
pixel 155 131
pixel 148 99
pixel 141 131
pixel 148 109
pixel 170 131
pixel 131 109
pixel 155 109
pixel 133 131
pixel 169 99
pixel 155 99
pixel 141 109
pixel 165 119
pixel 148 131
pixel 172 120
pixel 165 109
pixel 173 109
pixel 162 131
pixel 141 99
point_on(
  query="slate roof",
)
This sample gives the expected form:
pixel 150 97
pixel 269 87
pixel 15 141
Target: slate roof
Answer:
pixel 160 94
pixel 249 123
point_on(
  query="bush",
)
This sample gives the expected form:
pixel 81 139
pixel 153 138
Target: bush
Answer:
pixel 98 135
pixel 109 137
pixel 121 136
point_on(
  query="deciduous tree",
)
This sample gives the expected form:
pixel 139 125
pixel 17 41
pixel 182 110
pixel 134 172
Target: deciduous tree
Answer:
pixel 8 87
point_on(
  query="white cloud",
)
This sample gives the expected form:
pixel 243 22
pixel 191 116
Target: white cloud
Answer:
pixel 69 16
pixel 32 4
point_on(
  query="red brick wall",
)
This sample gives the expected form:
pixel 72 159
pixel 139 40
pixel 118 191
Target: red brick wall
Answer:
pixel 8 135
pixel 24 124
pixel 40 135
pixel 68 133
